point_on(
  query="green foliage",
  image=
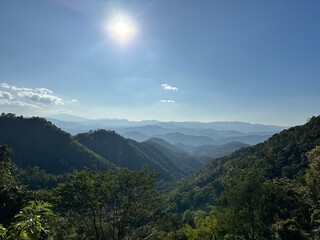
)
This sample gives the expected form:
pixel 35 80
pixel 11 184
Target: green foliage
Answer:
pixel 243 198
pixel 315 221
pixel 282 156
pixel 35 178
pixel 269 191
pixel 261 191
pixel 32 222
pixel 288 229
pixel 313 184
pixel 206 228
pixel 115 204
pixel 312 175
pixel 133 155
pixel 12 193
pixel 3 232
pixel 37 142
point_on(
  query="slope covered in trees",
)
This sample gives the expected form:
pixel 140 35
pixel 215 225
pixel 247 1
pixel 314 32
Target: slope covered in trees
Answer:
pixel 128 153
pixel 118 204
pixel 269 191
pixel 260 192
pixel 37 142
pixel 283 155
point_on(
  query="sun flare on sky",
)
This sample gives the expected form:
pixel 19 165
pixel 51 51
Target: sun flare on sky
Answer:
pixel 121 28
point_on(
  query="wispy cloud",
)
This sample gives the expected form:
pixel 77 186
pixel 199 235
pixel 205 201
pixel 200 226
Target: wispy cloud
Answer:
pixel 41 95
pixel 167 87
pixel 6 99
pixel 4 85
pixel 21 96
pixel 167 101
pixel 5 95
pixel 73 101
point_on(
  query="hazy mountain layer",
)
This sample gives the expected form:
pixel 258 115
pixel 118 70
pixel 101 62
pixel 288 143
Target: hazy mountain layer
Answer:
pixel 187 133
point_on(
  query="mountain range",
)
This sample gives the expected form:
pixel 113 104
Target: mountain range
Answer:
pixel 186 133
pixel 174 155
pixel 37 142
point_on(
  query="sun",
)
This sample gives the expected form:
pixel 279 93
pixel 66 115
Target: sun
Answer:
pixel 121 28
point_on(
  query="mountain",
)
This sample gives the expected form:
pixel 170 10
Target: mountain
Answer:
pixel 248 139
pixel 148 130
pixel 244 127
pixel 177 137
pixel 208 152
pixel 37 142
pixel 67 117
pixel 214 130
pixel 191 140
pixel 134 135
pixel 129 153
pixel 204 152
pixel 167 145
pixel 281 156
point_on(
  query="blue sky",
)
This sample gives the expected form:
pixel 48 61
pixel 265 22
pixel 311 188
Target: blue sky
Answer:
pixel 255 61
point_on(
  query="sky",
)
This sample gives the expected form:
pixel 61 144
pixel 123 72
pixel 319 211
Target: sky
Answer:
pixel 178 60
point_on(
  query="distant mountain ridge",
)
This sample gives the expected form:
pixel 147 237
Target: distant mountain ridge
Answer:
pixel 204 153
pixel 244 127
pixel 195 133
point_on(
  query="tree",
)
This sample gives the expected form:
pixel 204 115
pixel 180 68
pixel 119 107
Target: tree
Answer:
pixel 32 222
pixel 114 204
pixel 242 196
pixel 207 228
pixel 3 232
pixel 312 176
pixel 12 193
pixel 313 183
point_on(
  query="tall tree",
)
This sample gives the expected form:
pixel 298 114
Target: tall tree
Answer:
pixel 12 194
pixel 313 182
pixel 113 204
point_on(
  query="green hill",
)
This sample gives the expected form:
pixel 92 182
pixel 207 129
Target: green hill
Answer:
pixel 37 142
pixel 282 156
pixel 128 153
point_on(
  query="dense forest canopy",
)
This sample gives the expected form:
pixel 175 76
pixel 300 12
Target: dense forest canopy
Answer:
pixel 267 191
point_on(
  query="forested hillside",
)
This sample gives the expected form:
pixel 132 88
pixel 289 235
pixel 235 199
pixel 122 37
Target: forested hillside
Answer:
pixel 128 153
pixel 37 142
pixel 268 191
pixel 258 192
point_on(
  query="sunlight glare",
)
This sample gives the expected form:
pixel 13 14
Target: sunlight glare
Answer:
pixel 121 28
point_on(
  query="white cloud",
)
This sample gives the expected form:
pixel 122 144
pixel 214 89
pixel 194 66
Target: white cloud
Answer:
pixel 21 96
pixel 6 99
pixel 72 101
pixel 167 87
pixel 5 95
pixel 167 101
pixel 42 96
pixel 4 85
